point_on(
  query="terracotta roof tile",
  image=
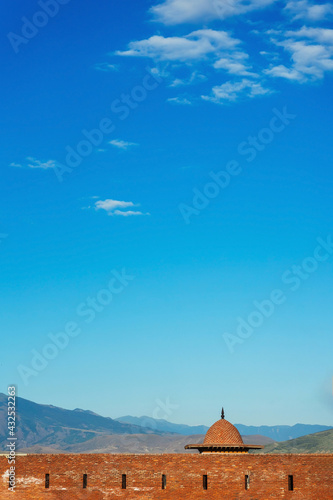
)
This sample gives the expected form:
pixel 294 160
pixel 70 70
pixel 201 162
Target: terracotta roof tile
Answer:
pixel 223 432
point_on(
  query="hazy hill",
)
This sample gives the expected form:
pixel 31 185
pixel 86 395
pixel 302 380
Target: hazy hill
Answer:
pixel 164 425
pixel 282 432
pixel 320 442
pixel 47 425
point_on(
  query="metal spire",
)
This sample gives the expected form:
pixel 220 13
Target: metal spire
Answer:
pixel 222 413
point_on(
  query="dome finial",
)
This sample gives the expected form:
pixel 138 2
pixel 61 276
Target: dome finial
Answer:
pixel 222 413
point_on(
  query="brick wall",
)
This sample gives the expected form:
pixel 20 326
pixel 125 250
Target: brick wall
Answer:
pixel 268 474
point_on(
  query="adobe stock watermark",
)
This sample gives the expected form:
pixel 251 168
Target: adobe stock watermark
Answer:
pixel 30 27
pixel 293 278
pixel 248 148
pixel 122 108
pixel 162 411
pixel 88 309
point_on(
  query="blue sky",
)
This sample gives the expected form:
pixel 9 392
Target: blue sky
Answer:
pixel 165 165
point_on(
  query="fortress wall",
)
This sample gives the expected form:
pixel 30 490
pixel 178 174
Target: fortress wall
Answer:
pixel 268 476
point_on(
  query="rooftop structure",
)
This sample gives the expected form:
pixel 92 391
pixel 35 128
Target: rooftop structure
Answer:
pixel 223 437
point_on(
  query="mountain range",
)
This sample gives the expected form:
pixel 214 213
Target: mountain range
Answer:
pixel 50 429
pixel 48 425
pixel 275 432
pixel 164 425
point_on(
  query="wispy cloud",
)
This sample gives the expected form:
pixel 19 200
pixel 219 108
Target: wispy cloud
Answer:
pixel 191 11
pixel 195 46
pixel 303 9
pixel 235 64
pixel 104 66
pixel 310 50
pixel 217 49
pixel 194 78
pixel 118 143
pixel 179 100
pixel 34 163
pixel 282 72
pixel 317 35
pixel 302 55
pixel 232 91
pixel 112 207
pixel 128 213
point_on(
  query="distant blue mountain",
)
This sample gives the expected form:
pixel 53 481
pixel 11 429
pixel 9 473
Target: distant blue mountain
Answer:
pixel 281 432
pixel 161 425
pixel 275 432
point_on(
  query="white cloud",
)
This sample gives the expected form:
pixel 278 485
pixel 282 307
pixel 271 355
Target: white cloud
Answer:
pixel 34 163
pixel 232 91
pixel 104 66
pixel 303 9
pixel 192 11
pixel 216 48
pixel 128 213
pixel 179 100
pixel 194 78
pixel 283 72
pixel 234 64
pixel 311 54
pixel 112 207
pixel 118 143
pixel 320 35
pixel 299 55
pixel 311 60
pixel 195 46
pixel 271 56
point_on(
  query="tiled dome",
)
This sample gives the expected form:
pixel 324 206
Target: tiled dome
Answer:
pixel 223 432
pixel 223 437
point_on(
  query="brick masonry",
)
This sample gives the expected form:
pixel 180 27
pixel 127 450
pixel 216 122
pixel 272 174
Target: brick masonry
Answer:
pixel 268 475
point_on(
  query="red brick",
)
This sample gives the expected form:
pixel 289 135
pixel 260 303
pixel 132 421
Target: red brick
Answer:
pixel 313 476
